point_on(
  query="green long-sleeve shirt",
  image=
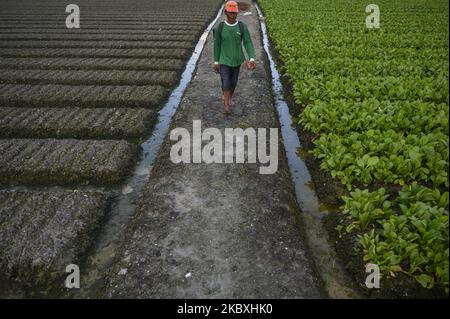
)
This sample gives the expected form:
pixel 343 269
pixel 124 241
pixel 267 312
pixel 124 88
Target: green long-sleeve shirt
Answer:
pixel 230 52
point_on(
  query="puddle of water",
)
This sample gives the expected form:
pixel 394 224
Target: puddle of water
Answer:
pixel 336 282
pixel 306 197
pixel 125 204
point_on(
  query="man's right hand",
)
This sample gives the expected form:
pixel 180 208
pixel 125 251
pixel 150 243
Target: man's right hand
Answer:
pixel 216 67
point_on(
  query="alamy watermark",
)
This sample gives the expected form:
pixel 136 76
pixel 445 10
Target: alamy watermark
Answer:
pixel 373 279
pixel 226 148
pixel 73 279
pixel 373 19
pixel 73 19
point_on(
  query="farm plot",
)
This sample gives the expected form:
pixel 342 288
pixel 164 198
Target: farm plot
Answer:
pixel 42 232
pixel 96 53
pixel 100 123
pixel 74 103
pixel 376 104
pixel 59 95
pixel 95 44
pixel 91 64
pixel 50 161
pixel 121 77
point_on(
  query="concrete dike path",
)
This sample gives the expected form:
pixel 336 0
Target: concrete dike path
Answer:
pixel 219 230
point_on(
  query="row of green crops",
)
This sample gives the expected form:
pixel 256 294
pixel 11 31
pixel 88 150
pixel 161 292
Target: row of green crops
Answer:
pixel 377 101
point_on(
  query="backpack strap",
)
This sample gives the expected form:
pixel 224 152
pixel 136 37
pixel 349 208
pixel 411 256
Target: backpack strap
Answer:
pixel 220 30
pixel 241 29
pixel 221 24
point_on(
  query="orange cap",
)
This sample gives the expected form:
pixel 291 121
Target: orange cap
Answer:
pixel 231 6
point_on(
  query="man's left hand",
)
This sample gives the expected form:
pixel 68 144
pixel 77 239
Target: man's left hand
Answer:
pixel 252 65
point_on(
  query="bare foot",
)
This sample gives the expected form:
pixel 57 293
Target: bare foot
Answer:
pixel 231 101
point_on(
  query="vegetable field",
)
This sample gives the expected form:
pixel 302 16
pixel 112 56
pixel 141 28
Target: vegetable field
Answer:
pixel 74 104
pixel 376 102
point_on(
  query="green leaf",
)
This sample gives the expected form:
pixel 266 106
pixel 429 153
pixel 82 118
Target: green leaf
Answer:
pixel 373 161
pixel 425 280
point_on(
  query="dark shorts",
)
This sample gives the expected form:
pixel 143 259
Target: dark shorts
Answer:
pixel 229 77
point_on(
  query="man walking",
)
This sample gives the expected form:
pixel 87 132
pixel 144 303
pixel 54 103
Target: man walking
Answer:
pixel 228 55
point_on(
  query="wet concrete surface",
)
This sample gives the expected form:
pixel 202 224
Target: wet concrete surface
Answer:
pixel 217 230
